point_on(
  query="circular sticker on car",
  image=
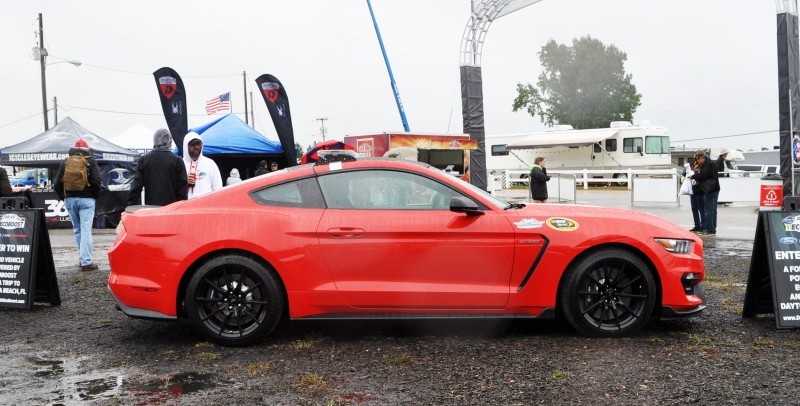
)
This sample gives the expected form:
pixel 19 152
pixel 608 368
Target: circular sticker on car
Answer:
pixel 562 224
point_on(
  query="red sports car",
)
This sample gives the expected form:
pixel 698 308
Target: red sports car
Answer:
pixel 385 238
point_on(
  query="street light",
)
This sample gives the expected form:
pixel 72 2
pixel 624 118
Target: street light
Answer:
pixel 40 54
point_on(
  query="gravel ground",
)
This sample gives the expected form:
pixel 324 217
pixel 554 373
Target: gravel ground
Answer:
pixel 85 351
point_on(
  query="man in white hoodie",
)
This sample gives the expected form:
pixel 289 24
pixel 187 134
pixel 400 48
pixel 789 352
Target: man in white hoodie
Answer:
pixel 202 172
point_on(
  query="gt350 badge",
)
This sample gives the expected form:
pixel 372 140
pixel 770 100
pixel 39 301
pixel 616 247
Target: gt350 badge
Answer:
pixel 562 224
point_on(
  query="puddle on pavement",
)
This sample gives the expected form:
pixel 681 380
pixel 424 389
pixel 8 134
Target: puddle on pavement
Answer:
pixel 175 385
pixel 726 248
pixel 43 378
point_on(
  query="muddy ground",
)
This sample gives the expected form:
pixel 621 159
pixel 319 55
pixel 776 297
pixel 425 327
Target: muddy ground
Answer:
pixel 86 351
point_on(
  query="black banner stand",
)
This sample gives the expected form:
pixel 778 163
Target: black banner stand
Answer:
pixel 27 270
pixel 773 283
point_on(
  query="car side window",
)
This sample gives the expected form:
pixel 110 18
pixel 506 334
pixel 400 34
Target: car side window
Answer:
pixel 299 193
pixel 384 190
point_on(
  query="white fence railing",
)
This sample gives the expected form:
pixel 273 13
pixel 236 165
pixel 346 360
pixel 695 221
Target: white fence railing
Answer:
pixel 646 186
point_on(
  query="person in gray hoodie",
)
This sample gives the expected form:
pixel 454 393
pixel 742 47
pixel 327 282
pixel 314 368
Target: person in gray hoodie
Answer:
pixel 161 173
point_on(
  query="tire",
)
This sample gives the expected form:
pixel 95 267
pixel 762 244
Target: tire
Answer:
pixel 621 176
pixel 234 301
pixel 610 293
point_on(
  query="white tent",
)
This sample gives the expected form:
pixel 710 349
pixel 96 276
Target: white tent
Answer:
pixel 138 138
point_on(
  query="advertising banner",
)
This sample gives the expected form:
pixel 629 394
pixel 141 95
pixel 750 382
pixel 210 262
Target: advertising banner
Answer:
pixel 27 271
pixel 172 94
pixel 773 283
pixel 278 105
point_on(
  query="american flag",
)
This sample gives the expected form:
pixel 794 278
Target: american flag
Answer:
pixel 219 103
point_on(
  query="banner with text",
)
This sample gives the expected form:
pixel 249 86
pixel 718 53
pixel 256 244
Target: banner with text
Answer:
pixel 173 103
pixel 278 105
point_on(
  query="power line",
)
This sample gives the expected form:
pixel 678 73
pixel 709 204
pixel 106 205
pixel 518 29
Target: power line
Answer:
pixel 22 119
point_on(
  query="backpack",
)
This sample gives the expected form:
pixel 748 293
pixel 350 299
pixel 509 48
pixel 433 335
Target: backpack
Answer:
pixel 76 177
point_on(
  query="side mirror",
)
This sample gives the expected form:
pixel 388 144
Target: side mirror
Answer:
pixel 461 204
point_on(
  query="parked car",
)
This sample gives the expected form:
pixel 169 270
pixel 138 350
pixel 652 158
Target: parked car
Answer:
pixel 389 238
pixel 754 169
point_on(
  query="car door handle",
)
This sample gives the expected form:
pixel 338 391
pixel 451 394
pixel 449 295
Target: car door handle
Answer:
pixel 345 232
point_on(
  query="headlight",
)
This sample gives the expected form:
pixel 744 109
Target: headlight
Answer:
pixel 676 246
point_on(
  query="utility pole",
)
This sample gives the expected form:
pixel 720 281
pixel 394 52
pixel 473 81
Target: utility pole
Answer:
pixel 55 111
pixel 42 54
pixel 244 80
pixel 252 112
pixel 322 127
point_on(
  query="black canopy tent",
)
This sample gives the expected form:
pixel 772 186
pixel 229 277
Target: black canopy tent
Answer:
pixel 50 148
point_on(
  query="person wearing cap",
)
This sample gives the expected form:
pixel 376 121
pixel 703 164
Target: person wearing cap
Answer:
pixel 720 162
pixel 696 199
pixel 273 166
pixel 202 172
pixel 707 177
pixel 81 204
pixel 161 173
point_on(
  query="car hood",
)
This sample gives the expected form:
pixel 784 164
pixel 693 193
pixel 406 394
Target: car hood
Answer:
pixel 602 220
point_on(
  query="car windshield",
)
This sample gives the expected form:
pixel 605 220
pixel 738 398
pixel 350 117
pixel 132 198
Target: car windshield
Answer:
pixel 500 204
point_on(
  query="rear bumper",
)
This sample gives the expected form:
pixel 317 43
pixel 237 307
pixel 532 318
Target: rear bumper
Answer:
pixel 139 313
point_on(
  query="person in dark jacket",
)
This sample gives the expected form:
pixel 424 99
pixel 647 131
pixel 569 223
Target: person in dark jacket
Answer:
pixel 161 173
pixel 708 179
pixel 81 204
pixel 5 185
pixel 539 178
pixel 720 163
pixel 696 199
pixel 262 168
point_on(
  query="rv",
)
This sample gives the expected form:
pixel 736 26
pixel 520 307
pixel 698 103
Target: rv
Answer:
pixel 621 146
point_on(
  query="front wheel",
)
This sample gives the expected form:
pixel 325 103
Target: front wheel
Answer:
pixel 610 293
pixel 234 301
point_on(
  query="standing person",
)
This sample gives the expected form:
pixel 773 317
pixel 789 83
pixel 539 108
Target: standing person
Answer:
pixel 720 163
pixel 202 172
pixel 273 166
pixel 161 173
pixel 78 184
pixel 539 178
pixel 262 168
pixel 5 184
pixel 234 178
pixel 696 199
pixel 708 179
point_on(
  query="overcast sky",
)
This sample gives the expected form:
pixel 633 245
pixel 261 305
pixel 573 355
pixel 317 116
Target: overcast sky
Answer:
pixel 705 68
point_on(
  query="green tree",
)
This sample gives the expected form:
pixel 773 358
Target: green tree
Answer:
pixel 584 85
pixel 298 149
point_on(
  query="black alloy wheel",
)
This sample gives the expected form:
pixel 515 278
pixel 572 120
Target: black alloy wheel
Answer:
pixel 609 293
pixel 234 300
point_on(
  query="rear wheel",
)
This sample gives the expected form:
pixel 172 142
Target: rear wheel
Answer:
pixel 621 176
pixel 233 300
pixel 610 293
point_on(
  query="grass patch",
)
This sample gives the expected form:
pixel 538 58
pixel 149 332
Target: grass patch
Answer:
pixel 304 344
pixel 699 339
pixel 311 383
pixel 761 341
pixel 207 356
pixel 258 369
pixel 399 361
pixel 558 375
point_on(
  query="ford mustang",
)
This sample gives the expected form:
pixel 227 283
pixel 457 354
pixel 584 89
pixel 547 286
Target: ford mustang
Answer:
pixel 386 238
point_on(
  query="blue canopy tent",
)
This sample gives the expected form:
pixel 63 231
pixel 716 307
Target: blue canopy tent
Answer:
pixel 233 144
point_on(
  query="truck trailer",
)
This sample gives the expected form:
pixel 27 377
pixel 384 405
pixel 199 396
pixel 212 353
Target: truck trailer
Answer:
pixel 447 152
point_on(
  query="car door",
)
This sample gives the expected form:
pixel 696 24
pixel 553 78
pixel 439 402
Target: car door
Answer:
pixel 390 241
